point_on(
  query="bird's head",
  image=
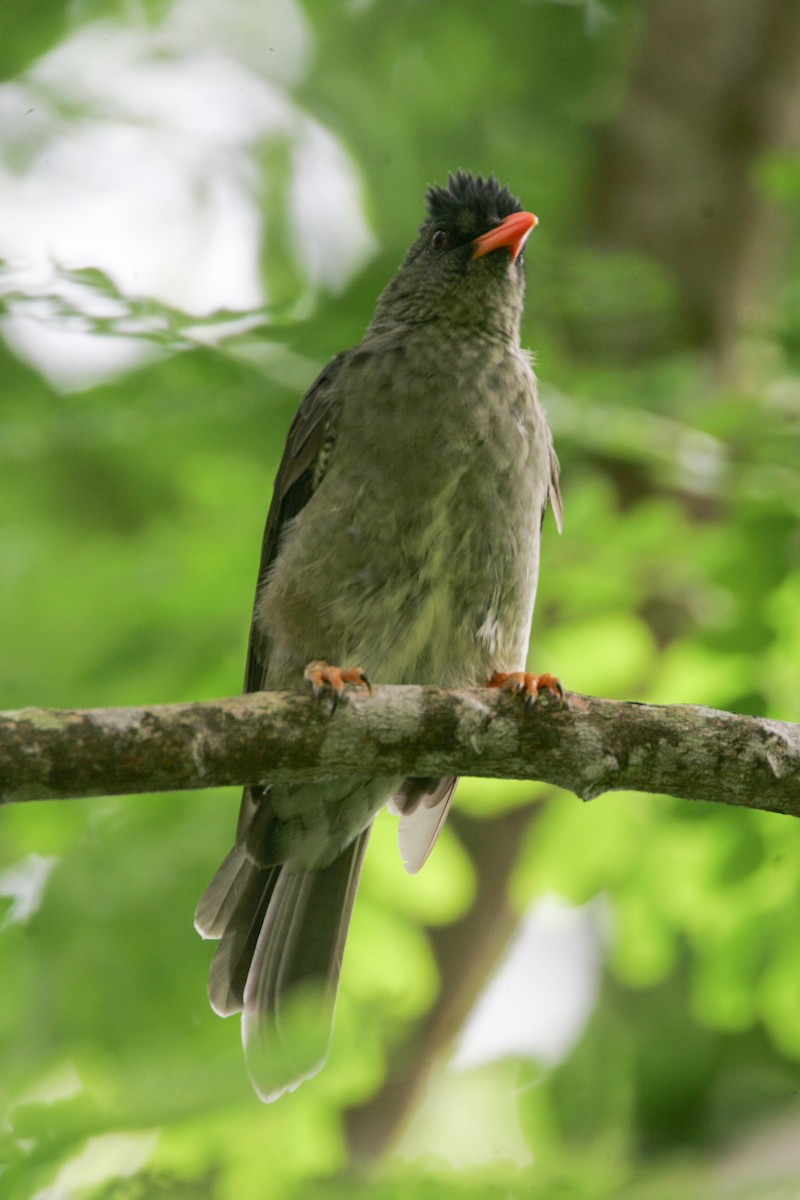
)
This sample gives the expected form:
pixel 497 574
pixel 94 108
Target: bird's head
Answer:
pixel 465 267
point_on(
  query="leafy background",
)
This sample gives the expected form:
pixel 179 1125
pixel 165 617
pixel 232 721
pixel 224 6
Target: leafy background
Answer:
pixel 200 203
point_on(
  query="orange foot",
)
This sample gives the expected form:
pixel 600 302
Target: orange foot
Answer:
pixel 523 683
pixel 325 678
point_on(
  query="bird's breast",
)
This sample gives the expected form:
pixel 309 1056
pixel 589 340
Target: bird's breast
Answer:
pixel 417 557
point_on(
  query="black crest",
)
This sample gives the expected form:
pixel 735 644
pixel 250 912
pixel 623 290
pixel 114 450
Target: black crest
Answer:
pixel 470 203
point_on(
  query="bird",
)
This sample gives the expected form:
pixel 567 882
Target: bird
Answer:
pixel 401 547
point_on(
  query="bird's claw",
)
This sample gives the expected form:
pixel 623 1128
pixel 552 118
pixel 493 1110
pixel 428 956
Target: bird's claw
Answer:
pixel 327 679
pixel 524 683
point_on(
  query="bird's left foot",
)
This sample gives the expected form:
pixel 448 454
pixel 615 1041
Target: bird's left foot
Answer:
pixel 327 679
pixel 523 683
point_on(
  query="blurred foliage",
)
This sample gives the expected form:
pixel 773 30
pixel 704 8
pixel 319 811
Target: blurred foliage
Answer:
pixel 131 515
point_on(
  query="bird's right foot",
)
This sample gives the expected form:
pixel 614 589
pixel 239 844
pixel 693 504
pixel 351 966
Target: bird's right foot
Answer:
pixel 325 679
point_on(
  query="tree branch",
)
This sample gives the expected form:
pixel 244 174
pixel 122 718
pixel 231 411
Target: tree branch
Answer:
pixel 589 747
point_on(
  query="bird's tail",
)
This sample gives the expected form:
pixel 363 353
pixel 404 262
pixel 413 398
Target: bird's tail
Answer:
pixel 282 933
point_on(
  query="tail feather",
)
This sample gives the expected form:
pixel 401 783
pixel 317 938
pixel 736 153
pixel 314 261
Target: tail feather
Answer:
pixel 282 934
pixel 423 805
pixel 230 966
pixel 291 989
pixel 220 899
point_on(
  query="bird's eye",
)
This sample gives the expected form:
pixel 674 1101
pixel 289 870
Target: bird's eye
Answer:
pixel 440 239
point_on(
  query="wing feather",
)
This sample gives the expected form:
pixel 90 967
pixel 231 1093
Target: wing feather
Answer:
pixel 554 492
pixel 297 479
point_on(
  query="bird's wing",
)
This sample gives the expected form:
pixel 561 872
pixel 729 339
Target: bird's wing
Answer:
pixel 299 474
pixel 554 492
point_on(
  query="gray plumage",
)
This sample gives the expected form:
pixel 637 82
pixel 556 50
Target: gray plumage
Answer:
pixel 403 538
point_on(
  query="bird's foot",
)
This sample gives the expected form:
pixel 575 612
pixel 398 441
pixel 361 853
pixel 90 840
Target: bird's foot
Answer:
pixel 327 679
pixel 523 683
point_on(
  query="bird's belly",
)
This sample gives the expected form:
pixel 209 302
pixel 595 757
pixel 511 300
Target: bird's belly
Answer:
pixel 449 616
pixel 442 593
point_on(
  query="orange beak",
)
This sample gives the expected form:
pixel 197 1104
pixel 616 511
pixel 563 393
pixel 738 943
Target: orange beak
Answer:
pixel 512 232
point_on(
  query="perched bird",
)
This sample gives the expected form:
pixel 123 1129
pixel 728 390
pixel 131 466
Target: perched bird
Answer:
pixel 401 546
